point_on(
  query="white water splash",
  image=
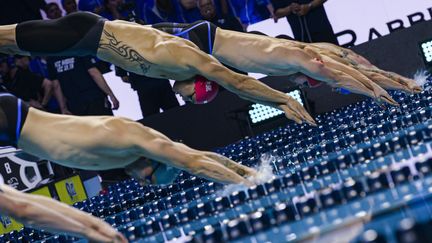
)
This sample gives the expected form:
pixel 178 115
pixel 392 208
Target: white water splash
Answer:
pixel 265 173
pixel 421 77
pixel 265 169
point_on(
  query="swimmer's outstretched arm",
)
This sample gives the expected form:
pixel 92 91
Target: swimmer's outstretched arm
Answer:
pixel 326 62
pixel 385 79
pixel 244 86
pixel 240 169
pixel 154 145
pixel 51 215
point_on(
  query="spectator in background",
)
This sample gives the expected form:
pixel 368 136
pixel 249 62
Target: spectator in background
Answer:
pixel 53 11
pixel 17 11
pixel 189 11
pixel 251 11
pixel 227 21
pixel 82 84
pixel 153 94
pixel 95 6
pixel 156 11
pixel 69 6
pixel 307 18
pixel 28 86
pixel 38 65
pixel 113 9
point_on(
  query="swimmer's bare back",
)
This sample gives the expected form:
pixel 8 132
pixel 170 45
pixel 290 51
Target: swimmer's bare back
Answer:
pixel 84 142
pixel 146 51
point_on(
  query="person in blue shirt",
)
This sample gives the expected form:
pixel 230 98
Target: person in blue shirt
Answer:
pixel 114 9
pixel 95 6
pixel 251 11
pixel 188 9
pixel 156 11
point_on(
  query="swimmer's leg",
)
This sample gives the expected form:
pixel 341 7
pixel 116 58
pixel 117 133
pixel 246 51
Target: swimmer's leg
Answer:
pixel 76 34
pixel 8 42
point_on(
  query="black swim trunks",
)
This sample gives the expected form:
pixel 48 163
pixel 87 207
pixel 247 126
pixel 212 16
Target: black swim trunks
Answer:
pixel 13 113
pixel 201 33
pixel 77 34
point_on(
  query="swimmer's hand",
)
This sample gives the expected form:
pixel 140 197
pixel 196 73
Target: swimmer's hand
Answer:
pixel 295 111
pixel 342 68
pixel 104 235
pixel 385 79
pixel 221 169
pixel 238 168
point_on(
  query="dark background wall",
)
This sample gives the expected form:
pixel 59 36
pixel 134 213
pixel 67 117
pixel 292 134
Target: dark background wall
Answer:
pixel 223 121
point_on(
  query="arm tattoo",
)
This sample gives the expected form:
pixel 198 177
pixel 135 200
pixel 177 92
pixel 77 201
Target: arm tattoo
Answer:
pixel 231 165
pixel 125 51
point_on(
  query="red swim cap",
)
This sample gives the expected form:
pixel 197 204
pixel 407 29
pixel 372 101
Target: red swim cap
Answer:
pixel 205 90
pixel 312 82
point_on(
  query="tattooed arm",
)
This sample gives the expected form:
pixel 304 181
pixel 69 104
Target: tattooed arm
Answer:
pixel 118 50
pixel 238 168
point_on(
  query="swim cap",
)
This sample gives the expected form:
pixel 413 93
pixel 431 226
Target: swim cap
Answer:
pixel 205 90
pixel 312 82
pixel 315 83
pixel 162 174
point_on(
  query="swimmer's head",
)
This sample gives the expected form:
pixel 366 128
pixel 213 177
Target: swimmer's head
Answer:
pixel 147 171
pixel 198 91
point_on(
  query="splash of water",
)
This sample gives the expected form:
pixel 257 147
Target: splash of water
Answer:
pixel 265 169
pixel 264 173
pixel 421 77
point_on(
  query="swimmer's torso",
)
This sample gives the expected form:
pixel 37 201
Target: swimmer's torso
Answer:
pixel 144 50
pixel 255 53
pixel 72 141
pixel 245 52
